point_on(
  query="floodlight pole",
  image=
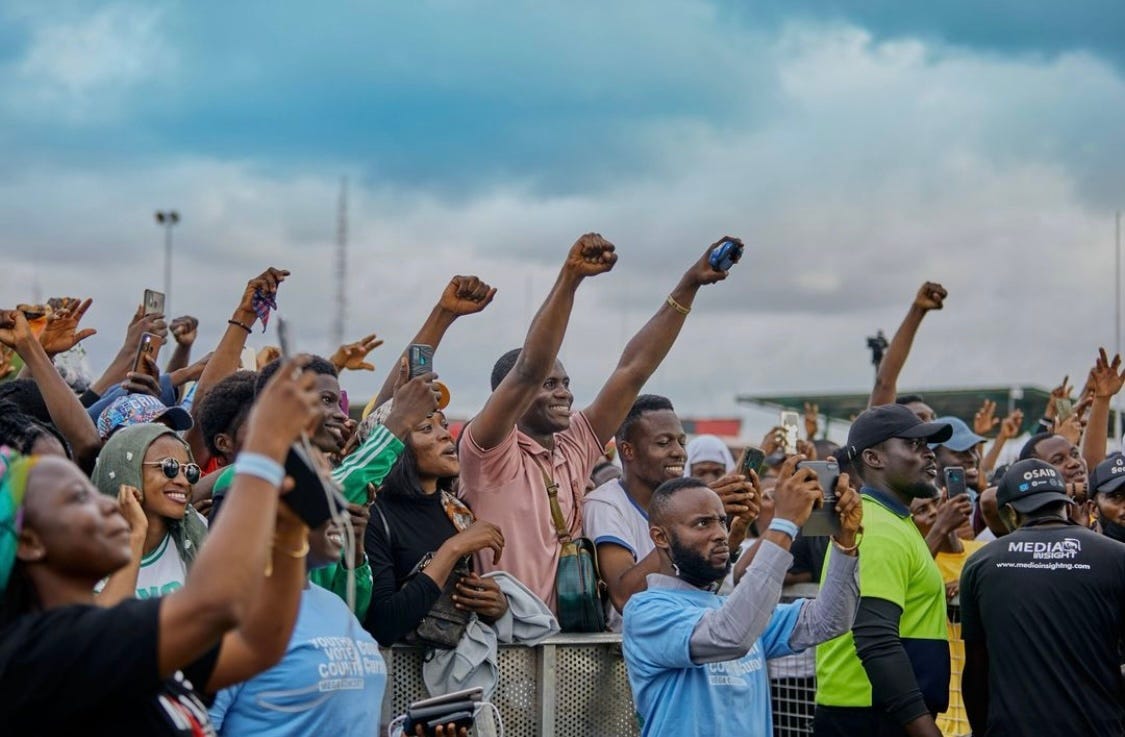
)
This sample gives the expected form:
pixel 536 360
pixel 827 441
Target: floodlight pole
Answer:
pixel 167 220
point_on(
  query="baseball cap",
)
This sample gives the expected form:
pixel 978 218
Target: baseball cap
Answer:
pixel 962 438
pixel 878 424
pixel 1030 484
pixel 1109 475
pixel 133 409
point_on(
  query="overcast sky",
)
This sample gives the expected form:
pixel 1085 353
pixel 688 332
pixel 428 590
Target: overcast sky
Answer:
pixel 858 152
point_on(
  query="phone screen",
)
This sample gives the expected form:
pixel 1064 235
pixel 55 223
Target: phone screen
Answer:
pixel 751 460
pixel 791 422
pixel 154 302
pixel 954 481
pixel 420 358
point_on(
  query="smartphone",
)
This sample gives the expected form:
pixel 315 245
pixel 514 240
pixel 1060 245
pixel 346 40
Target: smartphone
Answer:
pixel 310 497
pixel 823 521
pixel 149 346
pixel 421 359
pixel 154 302
pixel 725 255
pixel 1064 408
pixel 751 460
pixel 791 424
pixel 954 481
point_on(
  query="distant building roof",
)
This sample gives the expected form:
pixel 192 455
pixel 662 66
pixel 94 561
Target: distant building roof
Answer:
pixel 962 403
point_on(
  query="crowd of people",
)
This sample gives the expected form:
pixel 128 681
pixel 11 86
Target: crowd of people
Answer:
pixel 161 573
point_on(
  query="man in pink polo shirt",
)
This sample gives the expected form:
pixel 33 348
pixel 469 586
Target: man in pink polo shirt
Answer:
pixel 527 431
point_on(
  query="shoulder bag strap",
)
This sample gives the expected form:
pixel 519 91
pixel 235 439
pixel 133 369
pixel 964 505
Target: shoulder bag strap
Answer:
pixel 561 530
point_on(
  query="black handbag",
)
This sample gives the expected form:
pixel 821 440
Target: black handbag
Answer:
pixel 444 625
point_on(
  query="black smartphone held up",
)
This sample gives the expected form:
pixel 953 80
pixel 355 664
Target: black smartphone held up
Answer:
pixel 309 498
pixel 154 302
pixel 954 481
pixel 823 521
pixel 149 346
pixel 421 359
pixel 751 460
pixel 725 255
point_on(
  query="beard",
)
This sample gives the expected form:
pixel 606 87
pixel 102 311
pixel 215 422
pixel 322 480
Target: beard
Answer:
pixel 1111 529
pixel 695 568
pixel 921 490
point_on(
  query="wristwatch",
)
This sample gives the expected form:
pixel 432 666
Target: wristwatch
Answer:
pixel 427 559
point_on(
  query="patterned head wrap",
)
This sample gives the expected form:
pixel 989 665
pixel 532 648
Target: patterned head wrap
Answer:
pixel 14 470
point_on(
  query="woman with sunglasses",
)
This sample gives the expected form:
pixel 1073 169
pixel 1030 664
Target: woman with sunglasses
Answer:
pixel 151 464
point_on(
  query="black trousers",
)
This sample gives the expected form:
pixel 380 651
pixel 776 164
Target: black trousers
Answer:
pixel 847 721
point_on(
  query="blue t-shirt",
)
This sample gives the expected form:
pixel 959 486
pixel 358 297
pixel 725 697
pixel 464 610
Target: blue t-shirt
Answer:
pixel 330 681
pixel 675 696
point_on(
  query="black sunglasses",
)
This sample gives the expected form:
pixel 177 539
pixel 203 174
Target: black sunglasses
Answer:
pixel 171 468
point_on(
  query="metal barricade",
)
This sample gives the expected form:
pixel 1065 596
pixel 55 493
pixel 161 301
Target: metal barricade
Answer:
pixel 577 686
pixel 570 686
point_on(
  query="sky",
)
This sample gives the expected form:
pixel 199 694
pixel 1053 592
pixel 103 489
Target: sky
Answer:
pixel 858 148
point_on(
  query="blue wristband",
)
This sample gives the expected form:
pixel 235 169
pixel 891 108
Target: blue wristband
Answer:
pixel 783 525
pixel 260 466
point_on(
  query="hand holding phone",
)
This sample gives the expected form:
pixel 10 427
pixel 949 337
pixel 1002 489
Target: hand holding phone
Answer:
pixel 725 254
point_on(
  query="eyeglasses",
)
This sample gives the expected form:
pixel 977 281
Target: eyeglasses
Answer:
pixel 171 468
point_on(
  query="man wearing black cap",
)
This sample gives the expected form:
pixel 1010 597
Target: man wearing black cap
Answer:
pixel 1042 613
pixel 890 675
pixel 1107 488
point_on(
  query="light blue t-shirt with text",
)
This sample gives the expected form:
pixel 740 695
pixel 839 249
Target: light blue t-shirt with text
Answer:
pixel 329 682
pixel 675 696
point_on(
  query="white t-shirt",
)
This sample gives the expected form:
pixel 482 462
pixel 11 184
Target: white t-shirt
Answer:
pixel 162 571
pixel 609 515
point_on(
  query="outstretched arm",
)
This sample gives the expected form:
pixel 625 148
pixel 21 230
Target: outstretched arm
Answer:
pixel 589 256
pixel 464 295
pixel 66 411
pixel 1106 380
pixel 930 297
pixel 228 354
pixel 648 348
pixel 227 585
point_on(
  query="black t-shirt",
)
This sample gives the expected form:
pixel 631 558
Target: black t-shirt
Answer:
pixel 808 555
pixel 87 670
pixel 418 525
pixel 1049 604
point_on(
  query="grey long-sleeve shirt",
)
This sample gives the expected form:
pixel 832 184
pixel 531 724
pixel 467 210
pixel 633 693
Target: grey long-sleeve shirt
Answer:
pixel 731 630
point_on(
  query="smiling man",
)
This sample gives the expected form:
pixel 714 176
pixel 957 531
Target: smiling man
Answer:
pixel 697 660
pixel 652 445
pixel 890 675
pixel 528 437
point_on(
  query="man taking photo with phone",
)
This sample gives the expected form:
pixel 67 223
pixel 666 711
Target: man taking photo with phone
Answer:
pixel 697 660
